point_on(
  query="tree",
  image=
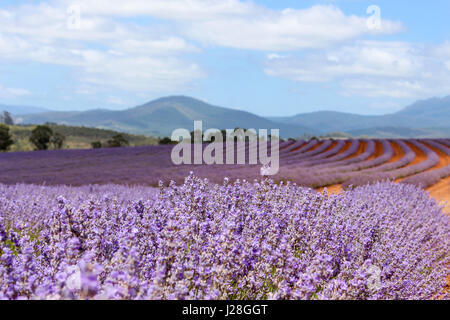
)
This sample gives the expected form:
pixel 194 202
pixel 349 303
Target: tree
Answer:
pixel 57 140
pixel 5 138
pixel 40 137
pixel 117 141
pixel 96 144
pixel 166 140
pixel 7 119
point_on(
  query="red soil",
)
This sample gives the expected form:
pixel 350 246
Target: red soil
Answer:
pixel 298 148
pixel 310 149
pixel 420 155
pixel 444 160
pixel 439 191
pixel 315 147
pixel 378 151
pixel 346 147
pixel 334 189
pixel 286 146
pixel 333 144
pixel 361 149
pixel 398 152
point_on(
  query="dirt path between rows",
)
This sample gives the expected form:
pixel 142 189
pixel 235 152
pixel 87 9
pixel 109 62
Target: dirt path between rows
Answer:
pixel 361 149
pixel 440 191
pixel 398 152
pixel 378 151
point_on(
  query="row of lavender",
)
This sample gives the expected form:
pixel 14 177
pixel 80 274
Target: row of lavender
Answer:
pixel 227 241
pixel 308 163
pixel 429 178
pixel 315 164
pixel 432 159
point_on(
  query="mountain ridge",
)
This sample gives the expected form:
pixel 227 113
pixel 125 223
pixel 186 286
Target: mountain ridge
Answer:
pixel 161 116
pixel 426 118
pixel 423 114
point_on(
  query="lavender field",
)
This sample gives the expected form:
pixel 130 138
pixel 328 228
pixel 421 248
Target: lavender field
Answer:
pixel 128 224
pixel 230 241
pixel 308 163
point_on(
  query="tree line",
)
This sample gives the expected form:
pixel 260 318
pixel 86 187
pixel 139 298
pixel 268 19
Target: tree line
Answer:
pixel 43 137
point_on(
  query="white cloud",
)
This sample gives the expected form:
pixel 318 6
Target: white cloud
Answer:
pixel 285 30
pixel 102 52
pixel 373 69
pixel 317 44
pixel 443 52
pixel 273 56
pixel 396 88
pixel 167 9
pixel 8 93
pixel 245 25
pixel 141 74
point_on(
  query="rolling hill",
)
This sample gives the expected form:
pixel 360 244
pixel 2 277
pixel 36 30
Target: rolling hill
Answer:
pixel 160 117
pixel 423 119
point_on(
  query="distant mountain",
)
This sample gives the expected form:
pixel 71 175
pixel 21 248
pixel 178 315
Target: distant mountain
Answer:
pixel 433 108
pixel 423 119
pixel 21 110
pixel 160 117
pixel 329 121
pixel 426 118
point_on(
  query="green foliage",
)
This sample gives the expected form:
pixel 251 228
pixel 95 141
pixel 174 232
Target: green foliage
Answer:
pixel 5 138
pixel 75 137
pixel 82 137
pixel 57 140
pixel 96 144
pixel 166 140
pixel 40 137
pixel 117 141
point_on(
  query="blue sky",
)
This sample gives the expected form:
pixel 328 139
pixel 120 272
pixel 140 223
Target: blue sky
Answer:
pixel 273 58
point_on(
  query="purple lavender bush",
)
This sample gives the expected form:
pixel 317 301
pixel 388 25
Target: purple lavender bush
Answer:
pixel 428 178
pixel 236 240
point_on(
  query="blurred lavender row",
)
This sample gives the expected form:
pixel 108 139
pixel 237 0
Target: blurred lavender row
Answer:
pixel 308 163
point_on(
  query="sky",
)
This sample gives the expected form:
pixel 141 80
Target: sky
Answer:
pixel 272 58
